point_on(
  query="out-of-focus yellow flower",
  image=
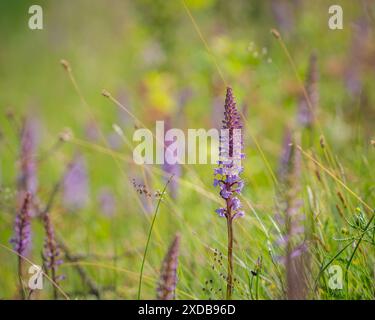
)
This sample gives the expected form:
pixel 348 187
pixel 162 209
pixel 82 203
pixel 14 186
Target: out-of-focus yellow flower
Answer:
pixel 159 92
pixel 199 4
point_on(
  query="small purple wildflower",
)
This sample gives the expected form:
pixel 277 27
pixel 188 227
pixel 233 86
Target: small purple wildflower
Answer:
pixel 168 274
pixel 22 228
pixel 75 185
pixel 51 250
pixel 227 175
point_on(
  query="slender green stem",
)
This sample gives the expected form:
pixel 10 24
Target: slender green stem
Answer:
pixel 20 272
pixel 53 276
pixel 230 253
pixel 250 279
pixel 149 238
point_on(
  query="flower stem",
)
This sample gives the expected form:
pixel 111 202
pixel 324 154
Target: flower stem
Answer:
pixel 53 273
pixel 20 272
pixel 230 254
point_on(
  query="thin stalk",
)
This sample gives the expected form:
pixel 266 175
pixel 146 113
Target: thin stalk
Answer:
pixel 230 253
pixel 20 271
pixel 250 280
pixel 257 287
pixel 53 275
pixel 149 237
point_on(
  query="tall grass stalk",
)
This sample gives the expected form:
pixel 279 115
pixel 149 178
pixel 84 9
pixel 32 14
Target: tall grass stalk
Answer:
pixel 149 237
